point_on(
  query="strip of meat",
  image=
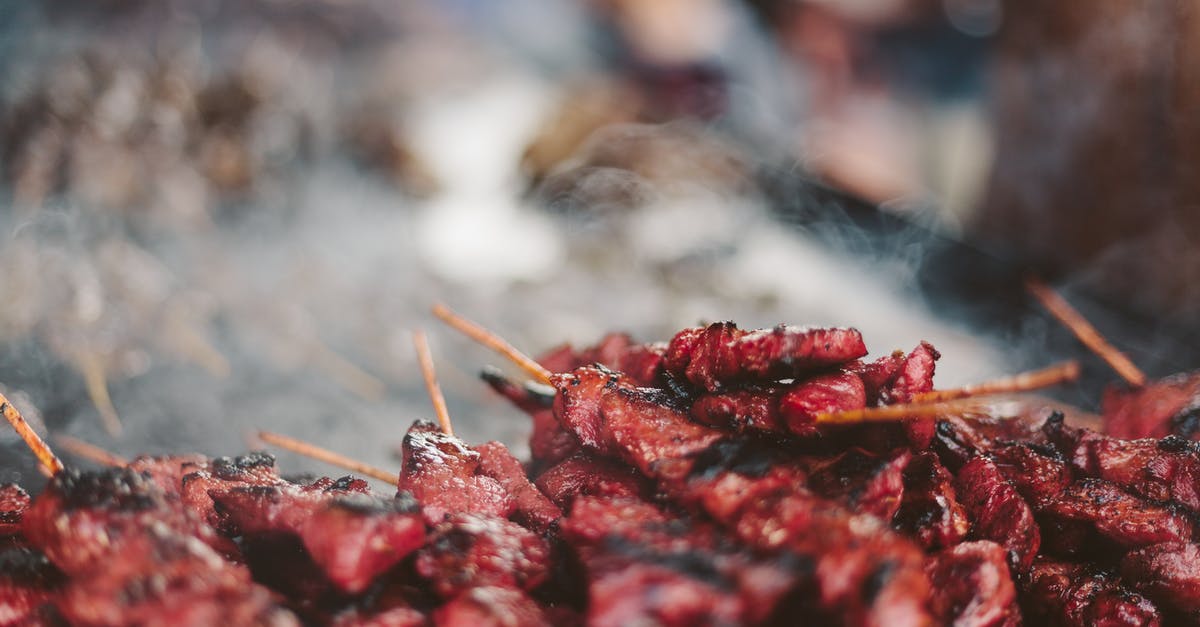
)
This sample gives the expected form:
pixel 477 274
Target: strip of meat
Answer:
pixel 1169 406
pixel 1072 595
pixel 929 509
pixel 27 580
pixel 862 481
pixel 793 408
pixel 1168 573
pixel 133 558
pixel 466 552
pixel 549 443
pixel 13 503
pixel 1092 516
pixel 645 566
pixel 440 471
pixel 866 574
pixel 1166 470
pixel 997 512
pixel 491 607
pixel 352 537
pixel 1038 476
pixel 720 354
pixel 973 586
pixel 584 474
pixel 201 476
pixel 530 507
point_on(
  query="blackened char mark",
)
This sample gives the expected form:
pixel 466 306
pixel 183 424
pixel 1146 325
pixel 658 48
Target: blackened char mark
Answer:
pixel 749 456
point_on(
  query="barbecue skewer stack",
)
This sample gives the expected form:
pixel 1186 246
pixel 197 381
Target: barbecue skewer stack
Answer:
pixel 724 477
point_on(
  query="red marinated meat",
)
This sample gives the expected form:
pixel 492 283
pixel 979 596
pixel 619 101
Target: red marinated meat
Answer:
pixel 915 376
pixel 79 519
pixel 530 507
pixel 853 553
pixel 1036 475
pixel 352 537
pixel 584 474
pixel 441 472
pixel 997 512
pixel 392 617
pixel 167 471
pixel 549 443
pixel 862 481
pixel 134 558
pixel 972 586
pixel 1166 470
pixel 1072 595
pixel 491 607
pixel 27 580
pixel 1169 574
pixel 168 580
pixel 1165 407
pixel 929 510
pixel 747 409
pixel 1093 515
pixel 645 566
pixel 805 400
pixel 13 503
pixel 200 477
pixel 719 354
pixel 466 552
pixel 611 416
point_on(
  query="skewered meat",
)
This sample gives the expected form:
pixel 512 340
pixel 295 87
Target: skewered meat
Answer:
pixel 972 586
pixel 440 471
pixel 1168 573
pixel 1059 593
pixel 997 512
pixel 1169 406
pixel 13 503
pixel 929 509
pixel 720 353
pixel 468 551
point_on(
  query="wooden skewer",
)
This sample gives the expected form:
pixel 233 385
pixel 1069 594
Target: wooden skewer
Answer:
pixel 1023 382
pixel 50 462
pixel 96 382
pixel 492 341
pixel 888 413
pixel 89 451
pixel 327 456
pixel 939 402
pixel 425 358
pixel 1073 320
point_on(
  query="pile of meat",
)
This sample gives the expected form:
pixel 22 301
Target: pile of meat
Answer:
pixel 686 483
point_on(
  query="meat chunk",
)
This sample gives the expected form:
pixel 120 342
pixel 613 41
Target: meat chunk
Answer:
pixel 1169 574
pixel 1072 595
pixel 862 481
pixel 584 474
pixel 645 566
pixel 997 512
pixel 13 503
pixel 491 607
pixel 929 509
pixel 1092 516
pixel 1165 407
pixel 1038 476
pixel 441 472
pixel 466 552
pixel 719 354
pixel 529 506
pixel 973 586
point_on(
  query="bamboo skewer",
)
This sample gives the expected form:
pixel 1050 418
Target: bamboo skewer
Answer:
pixel 89 451
pixel 1073 320
pixel 50 463
pixel 492 341
pixel 425 358
pixel 96 381
pixel 329 457
pixel 1023 382
pixel 888 413
pixel 938 402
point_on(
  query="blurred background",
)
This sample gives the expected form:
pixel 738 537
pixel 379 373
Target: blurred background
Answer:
pixel 223 215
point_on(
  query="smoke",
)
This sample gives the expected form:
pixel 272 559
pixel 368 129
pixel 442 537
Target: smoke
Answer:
pixel 239 223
